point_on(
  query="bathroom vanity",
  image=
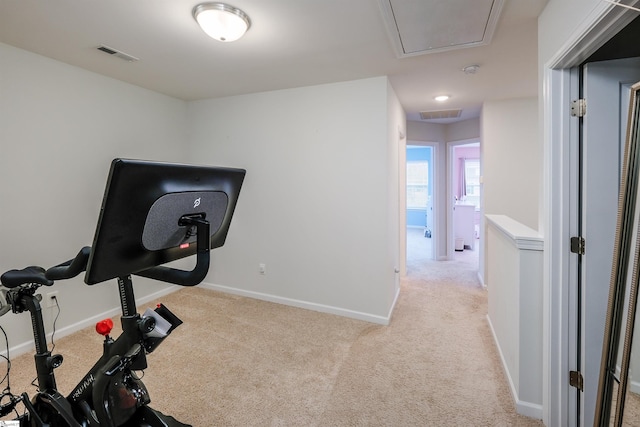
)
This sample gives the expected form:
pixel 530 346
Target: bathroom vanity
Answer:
pixel 463 224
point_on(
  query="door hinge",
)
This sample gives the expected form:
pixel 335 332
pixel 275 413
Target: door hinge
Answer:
pixel 579 107
pixel 577 245
pixel 576 380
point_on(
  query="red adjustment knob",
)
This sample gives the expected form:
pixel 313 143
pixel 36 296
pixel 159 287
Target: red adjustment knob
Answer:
pixel 105 326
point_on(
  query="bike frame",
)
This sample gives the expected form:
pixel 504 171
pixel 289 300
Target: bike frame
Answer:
pixel 25 299
pixel 88 404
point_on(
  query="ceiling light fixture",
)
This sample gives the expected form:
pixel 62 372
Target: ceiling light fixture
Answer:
pixel 221 21
pixel 441 98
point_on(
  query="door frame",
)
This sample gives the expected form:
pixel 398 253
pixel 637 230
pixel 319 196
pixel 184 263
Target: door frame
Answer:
pixel 437 195
pixel 606 86
pixel 560 139
pixel 451 147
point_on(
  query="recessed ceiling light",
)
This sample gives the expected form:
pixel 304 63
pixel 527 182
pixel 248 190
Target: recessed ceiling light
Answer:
pixel 471 69
pixel 441 98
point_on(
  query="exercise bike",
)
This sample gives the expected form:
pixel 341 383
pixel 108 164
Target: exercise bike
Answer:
pixel 152 213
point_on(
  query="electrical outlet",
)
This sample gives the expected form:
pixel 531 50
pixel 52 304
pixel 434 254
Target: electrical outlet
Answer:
pixel 262 269
pixel 51 298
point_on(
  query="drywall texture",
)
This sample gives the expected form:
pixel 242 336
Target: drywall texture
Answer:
pixel 512 159
pixel 319 204
pixel 60 127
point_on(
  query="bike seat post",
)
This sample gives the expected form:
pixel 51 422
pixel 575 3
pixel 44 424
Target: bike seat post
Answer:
pixel 44 368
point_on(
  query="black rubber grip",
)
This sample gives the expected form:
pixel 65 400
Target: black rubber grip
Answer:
pixel 71 268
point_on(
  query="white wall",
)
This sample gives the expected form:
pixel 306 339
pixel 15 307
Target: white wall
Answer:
pixel 462 131
pixel 319 203
pixel 512 160
pixel 425 131
pixel 511 164
pixel 514 261
pixel 60 127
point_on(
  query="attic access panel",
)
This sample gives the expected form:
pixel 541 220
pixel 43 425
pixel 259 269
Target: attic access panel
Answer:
pixel 418 27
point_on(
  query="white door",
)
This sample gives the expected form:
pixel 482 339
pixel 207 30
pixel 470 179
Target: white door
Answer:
pixel 605 88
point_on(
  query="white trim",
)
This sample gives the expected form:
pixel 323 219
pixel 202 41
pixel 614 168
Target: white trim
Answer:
pixel 438 198
pixel 527 409
pixel 634 386
pixel 367 317
pixel 603 22
pixel 29 346
pixel 617 3
pixel 481 280
pixel 524 237
pixel 450 202
pixel 556 305
pixel 557 263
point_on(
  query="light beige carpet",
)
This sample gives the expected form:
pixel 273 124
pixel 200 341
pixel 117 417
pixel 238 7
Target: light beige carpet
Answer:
pixel 242 362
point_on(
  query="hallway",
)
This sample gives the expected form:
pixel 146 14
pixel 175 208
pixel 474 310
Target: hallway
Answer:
pixel 452 306
pixel 419 251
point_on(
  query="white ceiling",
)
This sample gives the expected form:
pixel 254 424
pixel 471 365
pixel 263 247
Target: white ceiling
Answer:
pixel 291 43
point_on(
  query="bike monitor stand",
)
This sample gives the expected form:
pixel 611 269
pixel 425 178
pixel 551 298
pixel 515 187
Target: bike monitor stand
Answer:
pixel 140 224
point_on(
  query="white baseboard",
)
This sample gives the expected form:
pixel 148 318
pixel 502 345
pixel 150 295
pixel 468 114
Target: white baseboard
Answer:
pixel 522 407
pixel 481 280
pixel 367 317
pixel 393 306
pixel 528 409
pixel 634 386
pixel 29 346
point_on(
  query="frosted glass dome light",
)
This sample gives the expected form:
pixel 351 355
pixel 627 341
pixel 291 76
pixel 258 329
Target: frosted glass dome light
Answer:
pixel 221 21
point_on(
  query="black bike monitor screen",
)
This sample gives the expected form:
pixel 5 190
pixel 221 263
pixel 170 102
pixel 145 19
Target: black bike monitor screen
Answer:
pixel 141 210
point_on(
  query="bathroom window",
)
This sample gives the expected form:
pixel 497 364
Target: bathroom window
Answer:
pixel 472 182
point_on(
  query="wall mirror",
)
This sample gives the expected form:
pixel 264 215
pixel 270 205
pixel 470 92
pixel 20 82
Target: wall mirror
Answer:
pixel 618 401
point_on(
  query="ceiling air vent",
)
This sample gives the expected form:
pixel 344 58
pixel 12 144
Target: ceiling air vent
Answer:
pixel 117 53
pixel 442 114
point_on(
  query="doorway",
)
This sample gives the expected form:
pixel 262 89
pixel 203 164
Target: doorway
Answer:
pixel 420 204
pixel 602 134
pixel 464 192
pixel 571 345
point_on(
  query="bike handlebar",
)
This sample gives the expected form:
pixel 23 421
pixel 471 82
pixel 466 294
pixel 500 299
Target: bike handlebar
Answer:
pixel 75 266
pixel 182 277
pixel 71 268
pixel 35 275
